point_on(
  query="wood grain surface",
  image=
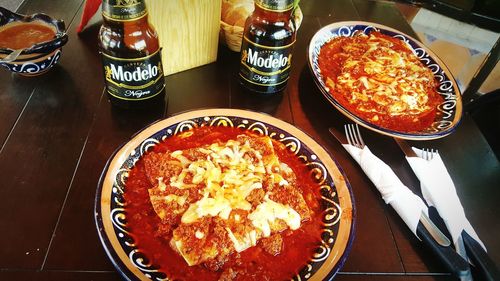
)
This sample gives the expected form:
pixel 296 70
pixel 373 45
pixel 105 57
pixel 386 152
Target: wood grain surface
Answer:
pixel 188 31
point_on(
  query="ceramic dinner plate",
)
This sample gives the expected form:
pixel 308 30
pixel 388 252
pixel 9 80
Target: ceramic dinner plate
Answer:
pixel 450 109
pixel 337 201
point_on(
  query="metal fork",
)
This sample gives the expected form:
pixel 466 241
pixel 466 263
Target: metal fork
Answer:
pixel 428 154
pixel 353 135
pixel 426 229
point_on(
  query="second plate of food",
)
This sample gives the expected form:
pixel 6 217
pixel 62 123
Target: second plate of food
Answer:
pixel 224 194
pixel 385 80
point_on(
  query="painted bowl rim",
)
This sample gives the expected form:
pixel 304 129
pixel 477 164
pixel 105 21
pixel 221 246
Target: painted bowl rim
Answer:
pixel 61 38
pixel 340 248
pixel 457 111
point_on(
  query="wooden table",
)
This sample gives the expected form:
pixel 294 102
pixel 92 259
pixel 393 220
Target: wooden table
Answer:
pixel 57 131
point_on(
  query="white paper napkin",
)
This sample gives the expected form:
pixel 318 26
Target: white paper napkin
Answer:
pixel 439 191
pixel 407 204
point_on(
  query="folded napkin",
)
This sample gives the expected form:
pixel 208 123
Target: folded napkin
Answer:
pixel 407 204
pixel 439 191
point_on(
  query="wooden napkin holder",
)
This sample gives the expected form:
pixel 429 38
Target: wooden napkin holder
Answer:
pixel 188 31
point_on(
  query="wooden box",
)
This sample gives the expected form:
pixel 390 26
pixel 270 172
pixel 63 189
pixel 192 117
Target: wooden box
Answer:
pixel 188 31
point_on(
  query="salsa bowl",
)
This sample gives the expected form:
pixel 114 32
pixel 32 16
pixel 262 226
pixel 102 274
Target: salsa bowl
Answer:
pixel 39 57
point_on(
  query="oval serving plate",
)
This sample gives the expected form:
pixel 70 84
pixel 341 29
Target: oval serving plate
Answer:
pixel 450 110
pixel 337 200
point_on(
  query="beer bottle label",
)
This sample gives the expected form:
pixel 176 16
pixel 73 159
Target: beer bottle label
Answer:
pixel 134 79
pixel 275 5
pixel 123 10
pixel 263 65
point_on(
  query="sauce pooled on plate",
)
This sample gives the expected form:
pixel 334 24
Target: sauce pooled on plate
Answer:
pixel 379 79
pixel 217 203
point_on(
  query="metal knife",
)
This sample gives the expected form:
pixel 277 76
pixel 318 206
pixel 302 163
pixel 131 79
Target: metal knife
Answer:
pixel 430 234
pixel 466 246
pixel 409 152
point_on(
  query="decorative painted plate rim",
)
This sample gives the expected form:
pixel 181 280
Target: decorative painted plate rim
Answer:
pixel 337 198
pixel 451 108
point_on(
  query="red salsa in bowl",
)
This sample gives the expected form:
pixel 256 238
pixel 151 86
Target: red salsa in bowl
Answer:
pixel 22 35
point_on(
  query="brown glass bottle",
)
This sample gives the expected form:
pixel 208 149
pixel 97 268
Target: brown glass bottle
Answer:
pixel 266 49
pixel 131 55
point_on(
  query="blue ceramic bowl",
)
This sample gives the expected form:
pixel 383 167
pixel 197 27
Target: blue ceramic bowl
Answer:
pixel 40 57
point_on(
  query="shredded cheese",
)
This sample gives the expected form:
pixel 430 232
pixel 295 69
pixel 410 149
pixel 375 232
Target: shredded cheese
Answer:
pixel 225 175
pixel 229 174
pixel 378 76
pixel 269 211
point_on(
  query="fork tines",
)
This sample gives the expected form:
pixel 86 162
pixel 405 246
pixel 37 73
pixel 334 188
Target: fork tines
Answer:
pixel 353 135
pixel 428 154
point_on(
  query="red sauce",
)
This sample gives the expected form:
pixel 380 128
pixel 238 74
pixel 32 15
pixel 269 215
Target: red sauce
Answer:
pixel 25 35
pixel 253 263
pixel 332 60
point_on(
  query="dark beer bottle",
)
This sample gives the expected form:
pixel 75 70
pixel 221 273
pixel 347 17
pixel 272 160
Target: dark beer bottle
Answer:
pixel 266 49
pixel 131 55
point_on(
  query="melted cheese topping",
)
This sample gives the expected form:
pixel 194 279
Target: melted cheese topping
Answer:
pixel 391 78
pixel 229 174
pixel 225 174
pixel 245 242
pixel 269 211
pixel 377 76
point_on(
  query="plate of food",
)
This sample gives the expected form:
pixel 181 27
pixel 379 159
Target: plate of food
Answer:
pixel 385 80
pixel 224 194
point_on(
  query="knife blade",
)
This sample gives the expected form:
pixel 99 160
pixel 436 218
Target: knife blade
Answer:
pixel 409 152
pixel 406 148
pixel 338 135
pixel 430 234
